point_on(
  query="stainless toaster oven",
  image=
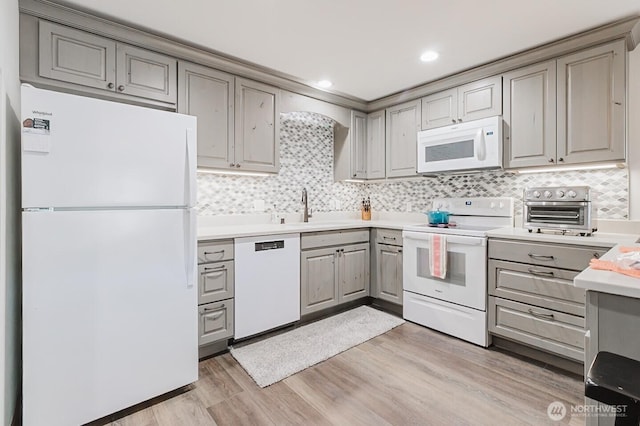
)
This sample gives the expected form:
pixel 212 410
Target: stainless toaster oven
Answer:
pixel 563 209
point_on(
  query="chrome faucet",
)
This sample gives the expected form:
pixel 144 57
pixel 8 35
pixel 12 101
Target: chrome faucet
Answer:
pixel 306 213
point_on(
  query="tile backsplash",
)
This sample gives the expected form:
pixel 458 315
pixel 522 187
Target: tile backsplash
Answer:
pixel 306 160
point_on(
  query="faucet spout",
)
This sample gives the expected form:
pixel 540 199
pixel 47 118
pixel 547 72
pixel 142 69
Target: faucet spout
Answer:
pixel 305 203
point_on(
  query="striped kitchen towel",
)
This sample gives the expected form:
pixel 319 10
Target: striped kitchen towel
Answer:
pixel 438 256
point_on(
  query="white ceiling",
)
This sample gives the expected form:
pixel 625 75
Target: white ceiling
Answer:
pixel 367 48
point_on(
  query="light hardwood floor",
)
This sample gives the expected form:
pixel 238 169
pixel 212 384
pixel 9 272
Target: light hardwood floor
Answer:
pixel 408 376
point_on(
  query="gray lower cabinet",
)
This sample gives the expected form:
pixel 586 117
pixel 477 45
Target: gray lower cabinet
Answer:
pixel 334 268
pixel 387 265
pixel 74 56
pixel 215 291
pixel 532 299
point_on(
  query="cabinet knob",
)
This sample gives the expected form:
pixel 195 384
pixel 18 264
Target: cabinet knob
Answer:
pixel 551 160
pixel 121 88
pixel 459 120
pixel 110 85
pixel 237 165
pixel 453 120
pixel 232 165
pixel 560 159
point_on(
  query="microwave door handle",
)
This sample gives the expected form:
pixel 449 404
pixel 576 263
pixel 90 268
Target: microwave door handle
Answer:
pixel 481 145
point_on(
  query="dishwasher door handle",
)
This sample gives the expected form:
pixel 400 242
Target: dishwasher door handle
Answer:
pixel 269 245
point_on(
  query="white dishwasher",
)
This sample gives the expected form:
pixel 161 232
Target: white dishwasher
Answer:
pixel 267 283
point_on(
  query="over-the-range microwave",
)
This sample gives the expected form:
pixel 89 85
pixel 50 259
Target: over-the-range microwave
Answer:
pixel 471 145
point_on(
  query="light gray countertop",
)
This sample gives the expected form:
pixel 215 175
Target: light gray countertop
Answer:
pixel 598 239
pixel 609 281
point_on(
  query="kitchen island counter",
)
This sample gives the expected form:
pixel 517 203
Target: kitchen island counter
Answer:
pixel 609 281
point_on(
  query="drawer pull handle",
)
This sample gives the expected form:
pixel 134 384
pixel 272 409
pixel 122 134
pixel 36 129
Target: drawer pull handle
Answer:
pixel 217 268
pixel 206 253
pixel 214 309
pixel 541 256
pixel 541 316
pixel 540 273
pixel 214 316
pixel 389 238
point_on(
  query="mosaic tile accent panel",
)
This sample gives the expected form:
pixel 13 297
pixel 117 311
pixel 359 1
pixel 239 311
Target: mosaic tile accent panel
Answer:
pixel 306 160
pixel 609 187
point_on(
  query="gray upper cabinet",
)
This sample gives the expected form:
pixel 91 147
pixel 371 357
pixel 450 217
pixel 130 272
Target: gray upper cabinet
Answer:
pixel 358 145
pixel 209 95
pixel 567 111
pixel 376 145
pixel 402 126
pixel 529 96
pixel 440 109
pixel 78 57
pixel 146 74
pixel 591 105
pixel 472 101
pixel 257 126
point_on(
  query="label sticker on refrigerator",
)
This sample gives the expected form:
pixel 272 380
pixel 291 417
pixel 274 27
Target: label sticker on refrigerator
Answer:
pixel 36 134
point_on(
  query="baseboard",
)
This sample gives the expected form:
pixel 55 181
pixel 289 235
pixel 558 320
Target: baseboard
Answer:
pixel 556 361
pixel 389 307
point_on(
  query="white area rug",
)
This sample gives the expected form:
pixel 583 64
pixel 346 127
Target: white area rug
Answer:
pixel 273 359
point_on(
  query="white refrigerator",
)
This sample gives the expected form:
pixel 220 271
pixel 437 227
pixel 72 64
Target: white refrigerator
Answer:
pixel 109 256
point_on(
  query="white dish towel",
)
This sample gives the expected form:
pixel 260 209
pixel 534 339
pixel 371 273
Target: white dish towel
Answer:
pixel 438 256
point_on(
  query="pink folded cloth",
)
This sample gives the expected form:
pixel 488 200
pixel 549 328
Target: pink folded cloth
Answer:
pixel 438 256
pixel 607 265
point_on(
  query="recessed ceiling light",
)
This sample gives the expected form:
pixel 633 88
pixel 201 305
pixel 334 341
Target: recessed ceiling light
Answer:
pixel 325 84
pixel 429 56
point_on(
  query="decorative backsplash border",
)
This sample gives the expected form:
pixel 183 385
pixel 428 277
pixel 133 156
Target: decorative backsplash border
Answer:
pixel 306 161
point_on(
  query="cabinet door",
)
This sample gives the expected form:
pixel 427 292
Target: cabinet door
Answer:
pixel 403 123
pixel 529 96
pixel 215 281
pixel 480 99
pixel 358 145
pixel 440 109
pixel 591 105
pixel 318 280
pixel 209 95
pixel 389 273
pixel 257 139
pixel 215 322
pixel 353 272
pixel 375 145
pixel 76 57
pixel 146 74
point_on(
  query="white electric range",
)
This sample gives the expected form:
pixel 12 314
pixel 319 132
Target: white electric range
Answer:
pixel 456 304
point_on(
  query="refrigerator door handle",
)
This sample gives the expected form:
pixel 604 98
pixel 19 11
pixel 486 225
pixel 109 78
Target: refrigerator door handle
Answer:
pixel 190 246
pixel 191 186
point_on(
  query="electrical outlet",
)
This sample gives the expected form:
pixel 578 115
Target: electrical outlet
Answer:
pixel 408 206
pixel 258 205
pixel 332 204
pixel 337 204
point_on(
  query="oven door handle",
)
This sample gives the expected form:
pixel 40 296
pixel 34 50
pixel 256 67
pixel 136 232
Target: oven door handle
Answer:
pixel 451 239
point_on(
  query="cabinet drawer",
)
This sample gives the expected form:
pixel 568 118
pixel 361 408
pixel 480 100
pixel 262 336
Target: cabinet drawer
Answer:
pixel 555 332
pixel 389 236
pixel 553 255
pixel 213 251
pixel 215 281
pixel 332 238
pixel 215 321
pixel 536 285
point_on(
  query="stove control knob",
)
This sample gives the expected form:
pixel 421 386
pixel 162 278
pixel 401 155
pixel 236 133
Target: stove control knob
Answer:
pixel 548 194
pixel 560 193
pixel 571 194
pixel 536 194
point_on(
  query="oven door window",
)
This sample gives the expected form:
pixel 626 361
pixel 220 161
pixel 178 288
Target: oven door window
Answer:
pixel 456 267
